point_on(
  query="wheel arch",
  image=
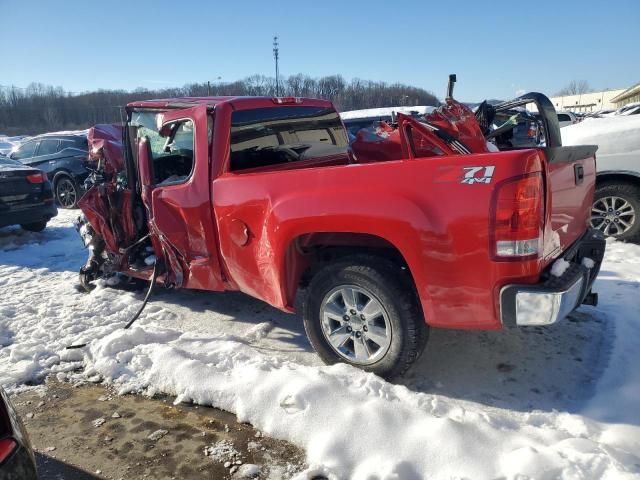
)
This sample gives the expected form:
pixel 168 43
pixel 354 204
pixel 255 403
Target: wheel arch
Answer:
pixel 58 174
pixel 618 176
pixel 307 253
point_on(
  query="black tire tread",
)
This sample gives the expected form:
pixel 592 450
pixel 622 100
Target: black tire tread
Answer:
pixel 65 176
pixel 384 272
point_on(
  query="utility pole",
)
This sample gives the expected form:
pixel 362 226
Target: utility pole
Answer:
pixel 209 85
pixel 276 51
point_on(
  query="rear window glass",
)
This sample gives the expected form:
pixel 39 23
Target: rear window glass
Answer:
pixel 79 143
pixel 270 136
pixel 47 147
pixel 563 117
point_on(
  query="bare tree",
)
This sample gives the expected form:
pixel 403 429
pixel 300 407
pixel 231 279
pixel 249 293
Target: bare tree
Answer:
pixel 575 87
pixel 41 108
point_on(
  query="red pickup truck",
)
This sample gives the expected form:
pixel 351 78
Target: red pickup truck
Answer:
pixel 422 223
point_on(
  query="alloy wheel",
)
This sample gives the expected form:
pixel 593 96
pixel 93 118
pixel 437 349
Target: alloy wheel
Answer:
pixel 66 193
pixel 355 324
pixel 612 215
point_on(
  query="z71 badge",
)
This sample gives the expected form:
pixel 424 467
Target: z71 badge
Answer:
pixel 478 174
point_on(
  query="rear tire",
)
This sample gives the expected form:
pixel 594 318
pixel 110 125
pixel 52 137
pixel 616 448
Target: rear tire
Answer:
pixel 385 343
pixel 616 211
pixel 34 227
pixel 66 192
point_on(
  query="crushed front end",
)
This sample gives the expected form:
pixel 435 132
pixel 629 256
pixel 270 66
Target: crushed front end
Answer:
pixel 112 224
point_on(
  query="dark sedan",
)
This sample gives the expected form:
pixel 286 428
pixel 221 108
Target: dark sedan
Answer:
pixel 17 461
pixel 63 158
pixel 26 198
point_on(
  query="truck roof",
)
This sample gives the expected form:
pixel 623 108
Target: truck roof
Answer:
pixel 245 101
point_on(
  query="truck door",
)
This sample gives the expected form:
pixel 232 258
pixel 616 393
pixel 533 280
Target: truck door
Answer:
pixel 173 163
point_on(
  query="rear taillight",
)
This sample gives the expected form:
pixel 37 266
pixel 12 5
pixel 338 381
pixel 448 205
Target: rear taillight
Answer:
pixel 7 446
pixel 517 218
pixel 37 178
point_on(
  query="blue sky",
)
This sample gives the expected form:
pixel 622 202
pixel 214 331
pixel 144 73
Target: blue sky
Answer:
pixel 497 48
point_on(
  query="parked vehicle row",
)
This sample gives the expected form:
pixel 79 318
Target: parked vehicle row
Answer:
pixel 63 157
pixel 629 109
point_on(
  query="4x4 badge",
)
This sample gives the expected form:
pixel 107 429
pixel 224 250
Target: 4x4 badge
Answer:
pixel 476 175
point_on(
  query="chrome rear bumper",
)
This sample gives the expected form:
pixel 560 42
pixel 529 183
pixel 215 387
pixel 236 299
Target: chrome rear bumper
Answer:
pixel 554 298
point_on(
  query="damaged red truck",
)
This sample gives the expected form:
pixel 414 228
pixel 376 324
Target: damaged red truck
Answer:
pixel 423 224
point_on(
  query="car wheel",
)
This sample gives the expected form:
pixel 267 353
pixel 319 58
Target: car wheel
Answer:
pixel 34 227
pixel 616 211
pixel 364 312
pixel 66 191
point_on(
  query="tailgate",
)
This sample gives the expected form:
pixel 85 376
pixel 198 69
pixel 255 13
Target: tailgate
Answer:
pixel 571 176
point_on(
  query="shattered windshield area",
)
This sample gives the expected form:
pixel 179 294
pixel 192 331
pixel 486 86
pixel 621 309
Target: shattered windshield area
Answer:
pixel 172 156
pixel 145 124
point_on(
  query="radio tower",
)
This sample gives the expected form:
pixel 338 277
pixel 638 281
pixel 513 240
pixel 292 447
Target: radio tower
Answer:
pixel 275 56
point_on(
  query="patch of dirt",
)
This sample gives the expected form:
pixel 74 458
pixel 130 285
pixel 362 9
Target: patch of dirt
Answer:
pixel 60 421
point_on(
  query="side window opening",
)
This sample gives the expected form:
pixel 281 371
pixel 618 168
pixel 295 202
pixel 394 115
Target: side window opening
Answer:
pixel 172 156
pixel 64 144
pixel 174 163
pixel 25 151
pixel 265 137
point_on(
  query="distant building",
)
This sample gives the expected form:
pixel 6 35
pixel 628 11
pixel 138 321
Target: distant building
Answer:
pixel 587 102
pixel 630 95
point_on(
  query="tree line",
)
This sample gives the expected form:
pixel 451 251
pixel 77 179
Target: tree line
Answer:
pixel 574 87
pixel 42 108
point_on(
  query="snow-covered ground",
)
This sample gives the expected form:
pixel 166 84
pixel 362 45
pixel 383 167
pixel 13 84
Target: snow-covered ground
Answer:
pixel 543 403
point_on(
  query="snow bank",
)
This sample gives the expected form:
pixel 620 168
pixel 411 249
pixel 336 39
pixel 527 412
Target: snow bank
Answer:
pixel 352 424
pixel 617 398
